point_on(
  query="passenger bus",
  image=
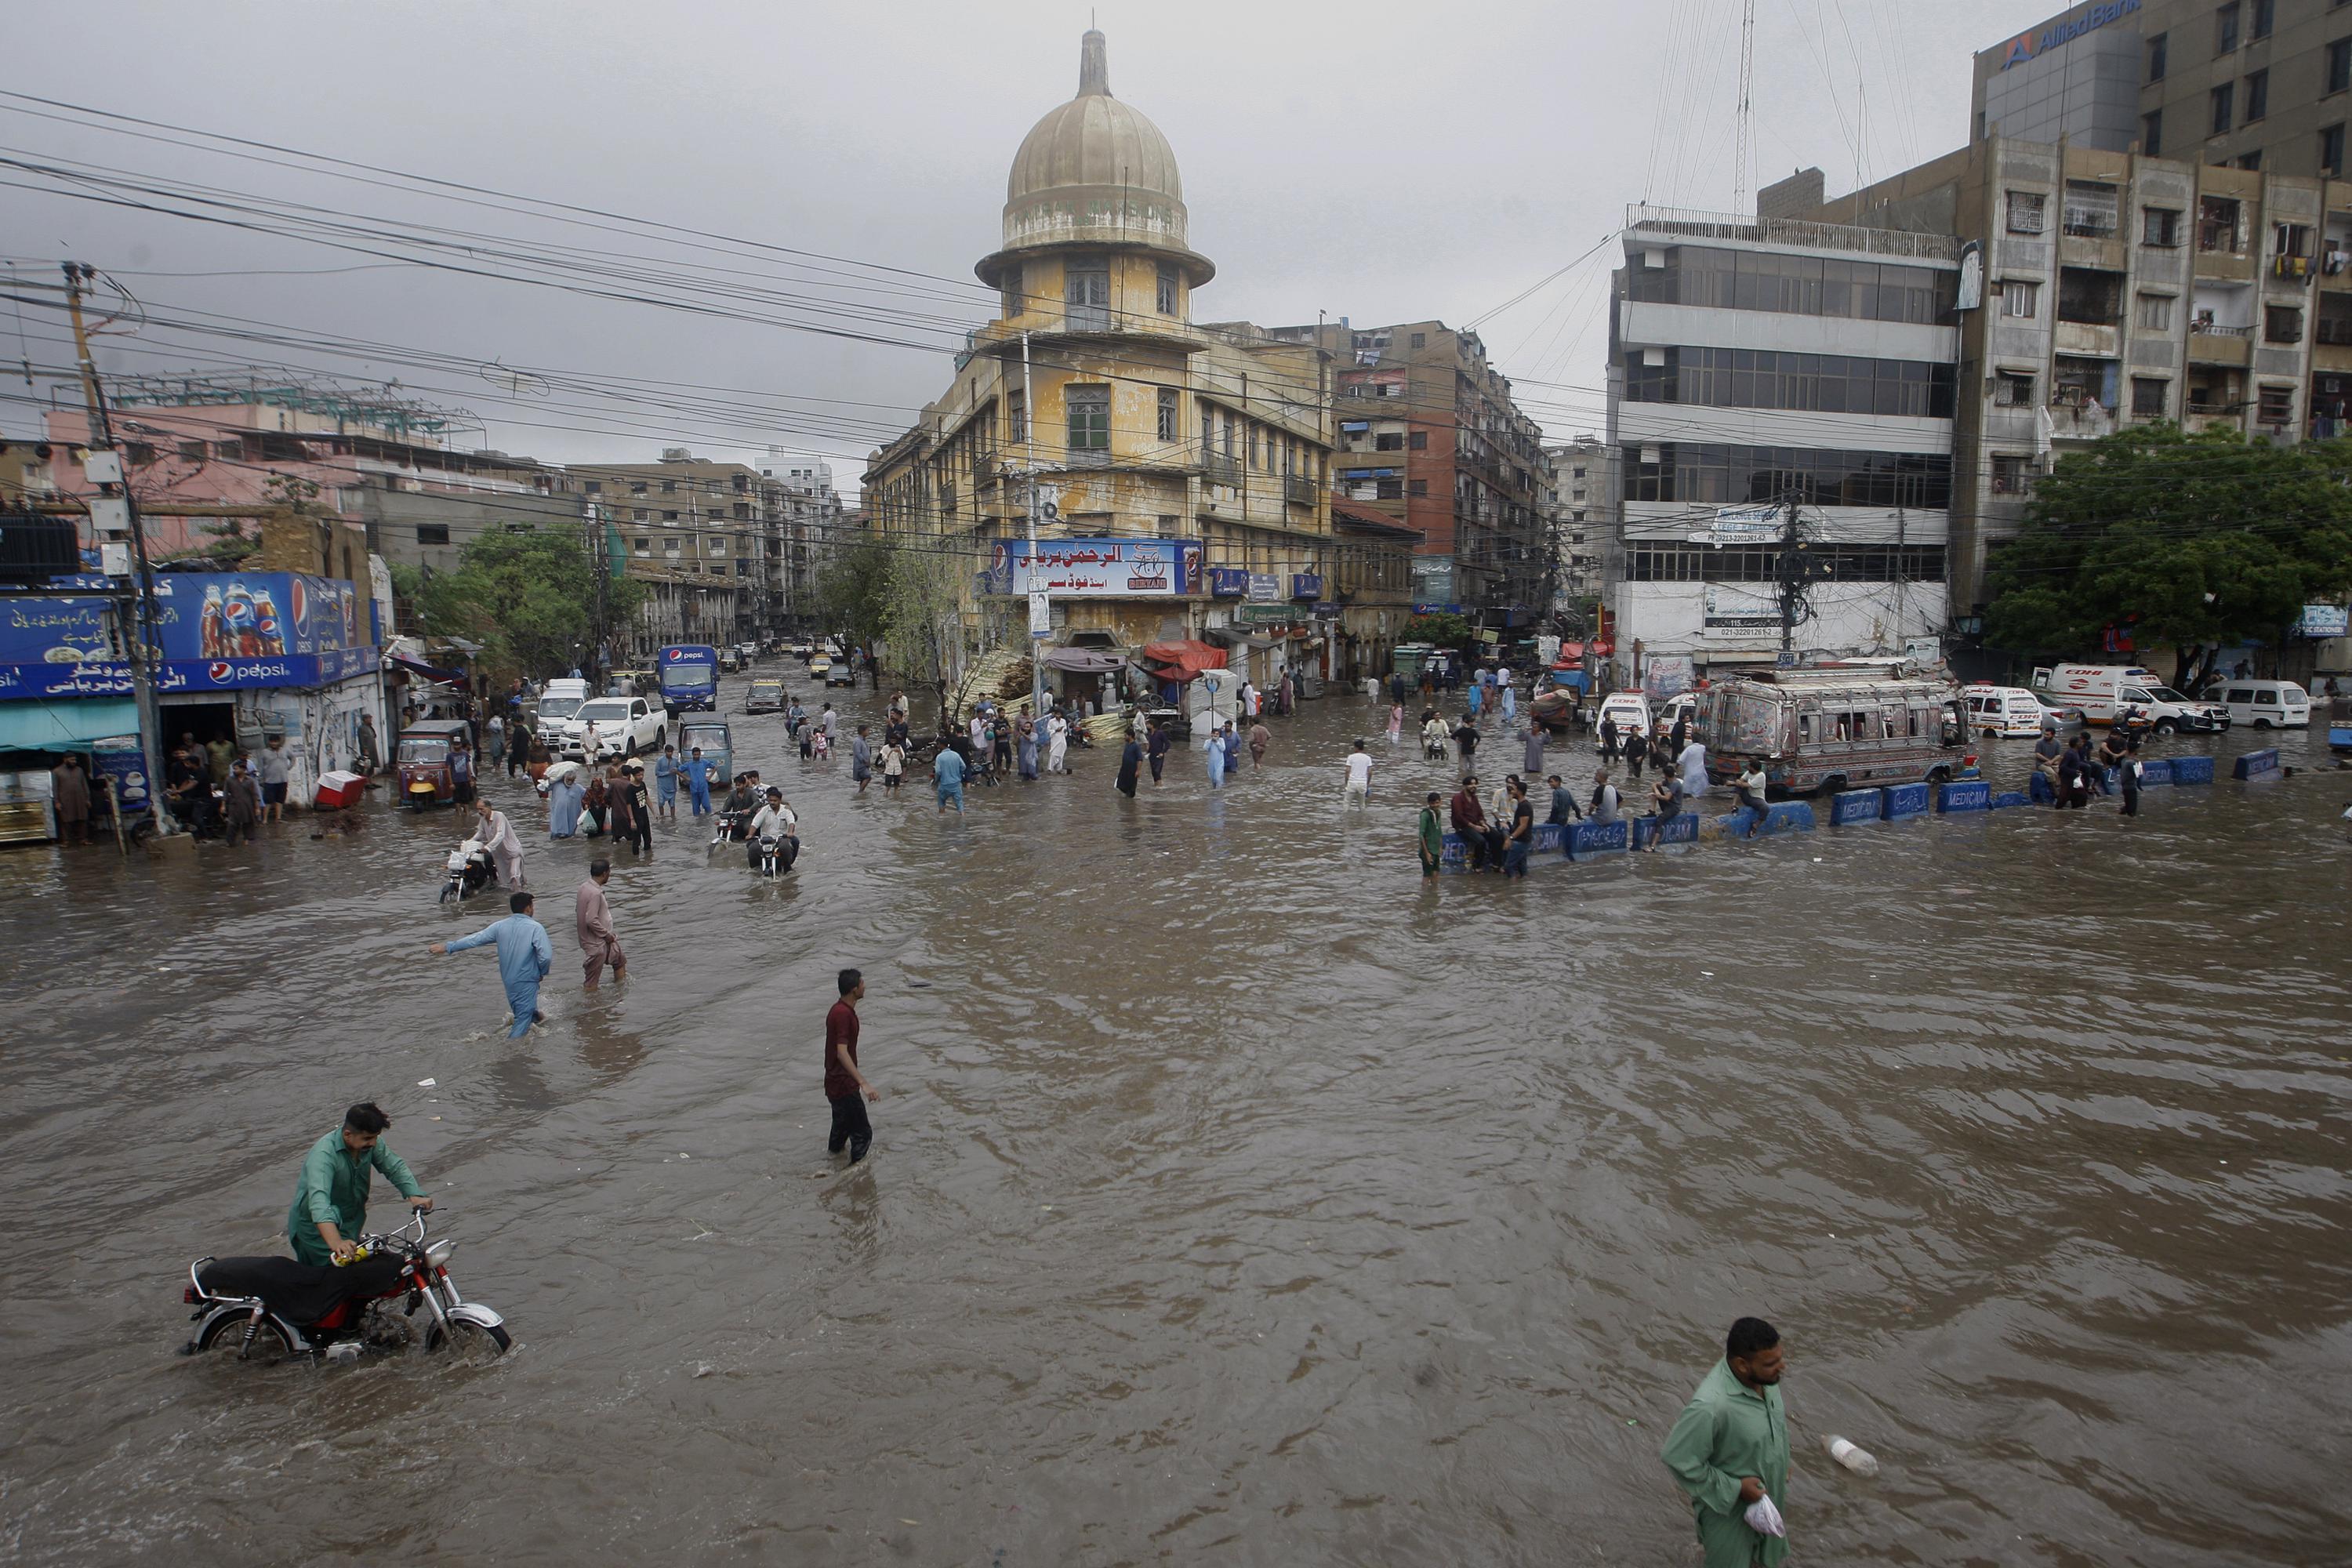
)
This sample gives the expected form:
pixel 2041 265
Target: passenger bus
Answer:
pixel 1821 731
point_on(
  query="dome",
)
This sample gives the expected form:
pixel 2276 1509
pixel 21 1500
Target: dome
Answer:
pixel 1096 171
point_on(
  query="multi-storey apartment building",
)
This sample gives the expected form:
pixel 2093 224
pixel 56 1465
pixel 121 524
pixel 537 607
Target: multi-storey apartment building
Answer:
pixel 1584 471
pixel 1781 398
pixel 804 522
pixel 1428 434
pixel 694 532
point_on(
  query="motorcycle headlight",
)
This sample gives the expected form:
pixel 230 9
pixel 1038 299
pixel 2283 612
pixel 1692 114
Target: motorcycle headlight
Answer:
pixel 438 1253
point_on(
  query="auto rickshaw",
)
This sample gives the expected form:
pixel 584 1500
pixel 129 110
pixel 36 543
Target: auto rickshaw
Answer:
pixel 716 740
pixel 423 759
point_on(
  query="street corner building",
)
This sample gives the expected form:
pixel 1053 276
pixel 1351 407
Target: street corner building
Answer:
pixel 1183 470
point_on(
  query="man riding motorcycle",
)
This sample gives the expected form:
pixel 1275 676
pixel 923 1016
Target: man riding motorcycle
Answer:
pixel 741 803
pixel 775 820
pixel 331 1204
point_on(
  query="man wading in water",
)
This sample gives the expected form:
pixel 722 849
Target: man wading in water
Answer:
pixel 845 1087
pixel 1729 1448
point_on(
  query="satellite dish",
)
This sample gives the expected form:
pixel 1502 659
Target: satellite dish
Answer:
pixel 519 382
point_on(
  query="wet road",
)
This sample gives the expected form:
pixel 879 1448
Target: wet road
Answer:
pixel 1234 1197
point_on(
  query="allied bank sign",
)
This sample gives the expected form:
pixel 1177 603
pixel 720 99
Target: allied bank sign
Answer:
pixel 2032 45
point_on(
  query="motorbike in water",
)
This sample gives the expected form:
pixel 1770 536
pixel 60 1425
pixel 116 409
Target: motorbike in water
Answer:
pixel 469 871
pixel 776 855
pixel 277 1309
pixel 722 830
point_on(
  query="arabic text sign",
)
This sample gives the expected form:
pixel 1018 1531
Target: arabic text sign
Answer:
pixel 1097 568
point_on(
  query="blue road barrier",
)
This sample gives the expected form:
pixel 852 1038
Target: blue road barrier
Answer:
pixel 2155 771
pixel 2256 765
pixel 2008 798
pixel 1590 838
pixel 1789 816
pixel 1454 853
pixel 1903 800
pixel 1678 830
pixel 2038 791
pixel 1968 794
pixel 1857 806
pixel 2192 770
pixel 1550 838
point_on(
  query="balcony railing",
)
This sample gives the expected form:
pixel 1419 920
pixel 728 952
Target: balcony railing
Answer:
pixel 1221 470
pixel 1791 231
pixel 1298 488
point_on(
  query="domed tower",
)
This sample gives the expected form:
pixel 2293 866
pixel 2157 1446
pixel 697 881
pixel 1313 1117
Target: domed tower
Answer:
pixel 1094 220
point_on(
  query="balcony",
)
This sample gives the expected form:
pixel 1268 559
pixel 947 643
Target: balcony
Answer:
pixel 1221 469
pixel 1298 489
pixel 2213 344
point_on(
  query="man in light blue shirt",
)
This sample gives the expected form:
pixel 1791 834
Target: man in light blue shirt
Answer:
pixel 947 771
pixel 525 956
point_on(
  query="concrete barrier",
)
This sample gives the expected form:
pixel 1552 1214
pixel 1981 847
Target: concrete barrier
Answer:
pixel 1903 800
pixel 2038 791
pixel 1550 838
pixel 2192 770
pixel 1587 839
pixel 1681 829
pixel 1453 852
pixel 2009 797
pixel 1789 816
pixel 1857 806
pixel 1967 794
pixel 2155 771
pixel 2256 765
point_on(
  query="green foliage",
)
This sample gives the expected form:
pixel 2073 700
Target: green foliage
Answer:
pixel 2196 540
pixel 922 613
pixel 853 597
pixel 1443 629
pixel 528 598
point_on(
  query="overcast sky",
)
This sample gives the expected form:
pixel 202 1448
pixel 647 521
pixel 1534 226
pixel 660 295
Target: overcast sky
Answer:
pixel 1383 162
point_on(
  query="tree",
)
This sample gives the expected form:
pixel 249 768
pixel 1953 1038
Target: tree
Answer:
pixel 922 616
pixel 852 596
pixel 2196 540
pixel 1441 628
pixel 528 598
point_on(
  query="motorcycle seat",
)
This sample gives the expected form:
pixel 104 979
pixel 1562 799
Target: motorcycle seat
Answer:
pixel 299 1292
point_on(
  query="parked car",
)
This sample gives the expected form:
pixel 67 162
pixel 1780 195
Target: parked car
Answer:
pixel 840 672
pixel 766 697
pixel 2014 711
pixel 2264 704
pixel 624 725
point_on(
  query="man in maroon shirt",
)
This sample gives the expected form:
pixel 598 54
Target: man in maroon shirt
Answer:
pixel 844 1084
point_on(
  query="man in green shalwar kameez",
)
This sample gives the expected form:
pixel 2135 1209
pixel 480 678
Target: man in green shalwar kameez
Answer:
pixel 1730 1446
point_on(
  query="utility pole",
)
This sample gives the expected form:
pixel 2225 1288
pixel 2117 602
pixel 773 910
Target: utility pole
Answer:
pixel 1040 607
pixel 1793 581
pixel 595 532
pixel 143 630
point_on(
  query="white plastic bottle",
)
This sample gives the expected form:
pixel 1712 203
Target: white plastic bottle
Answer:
pixel 1858 1460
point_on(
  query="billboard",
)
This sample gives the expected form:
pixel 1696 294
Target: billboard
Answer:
pixel 214 631
pixel 1097 568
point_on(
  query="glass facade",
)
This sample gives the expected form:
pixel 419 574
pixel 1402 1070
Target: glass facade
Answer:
pixel 1764 378
pixel 1797 285
pixel 1713 473
pixel 1689 562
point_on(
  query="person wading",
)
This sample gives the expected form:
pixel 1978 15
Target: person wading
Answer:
pixel 1728 1451
pixel 846 1089
pixel 592 918
pixel 525 955
pixel 1430 837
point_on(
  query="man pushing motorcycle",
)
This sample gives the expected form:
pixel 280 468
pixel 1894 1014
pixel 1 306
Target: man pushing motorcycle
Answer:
pixel 331 1204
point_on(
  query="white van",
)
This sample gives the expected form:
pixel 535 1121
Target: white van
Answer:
pixel 558 708
pixel 2103 690
pixel 2264 704
pixel 1630 709
pixel 2013 712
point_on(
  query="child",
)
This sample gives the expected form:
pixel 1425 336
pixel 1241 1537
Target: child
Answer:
pixel 822 744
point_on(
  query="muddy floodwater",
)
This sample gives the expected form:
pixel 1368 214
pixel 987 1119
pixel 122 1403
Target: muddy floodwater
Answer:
pixel 1234 1198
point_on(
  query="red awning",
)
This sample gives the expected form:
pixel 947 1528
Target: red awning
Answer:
pixel 1182 661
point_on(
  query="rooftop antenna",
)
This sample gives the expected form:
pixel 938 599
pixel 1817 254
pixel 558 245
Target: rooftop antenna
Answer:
pixel 1746 119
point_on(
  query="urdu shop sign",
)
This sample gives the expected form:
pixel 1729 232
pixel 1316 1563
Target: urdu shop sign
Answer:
pixel 2031 46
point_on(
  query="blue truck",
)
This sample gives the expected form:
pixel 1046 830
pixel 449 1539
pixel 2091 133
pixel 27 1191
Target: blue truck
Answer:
pixel 689 677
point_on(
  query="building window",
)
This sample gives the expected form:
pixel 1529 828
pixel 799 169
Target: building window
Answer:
pixel 1089 409
pixel 2025 211
pixel 2258 95
pixel 1167 299
pixel 2090 209
pixel 2020 298
pixel 2012 389
pixel 2275 406
pixel 2225 29
pixel 2148 397
pixel 1086 295
pixel 669 486
pixel 1168 414
pixel 1419 442
pixel 2221 99
pixel 2012 475
pixel 594 487
pixel 432 533
pixel 669 517
pixel 1389 441
pixel 2092 299
pixel 2217 225
pixel 2156 58
pixel 2155 313
pixel 2282 323
pixel 636 514
pixel 645 546
pixel 2339 64
pixel 2252 160
pixel 2331 149
pixel 1389 490
pixel 1421 339
pixel 1016 416
pixel 636 487
pixel 2159 226
pixel 2258 25
pixel 2151 133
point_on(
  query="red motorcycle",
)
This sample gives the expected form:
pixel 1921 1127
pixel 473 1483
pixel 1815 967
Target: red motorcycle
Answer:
pixel 275 1309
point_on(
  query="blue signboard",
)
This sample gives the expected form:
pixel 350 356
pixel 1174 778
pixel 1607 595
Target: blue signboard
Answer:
pixel 1305 584
pixel 1228 581
pixel 218 631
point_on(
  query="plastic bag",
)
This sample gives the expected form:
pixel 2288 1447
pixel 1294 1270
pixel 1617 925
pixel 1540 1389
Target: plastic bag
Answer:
pixel 1764 1518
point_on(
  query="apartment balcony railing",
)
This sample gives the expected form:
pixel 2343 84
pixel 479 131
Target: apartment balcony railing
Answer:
pixel 1298 488
pixel 1221 470
pixel 1790 231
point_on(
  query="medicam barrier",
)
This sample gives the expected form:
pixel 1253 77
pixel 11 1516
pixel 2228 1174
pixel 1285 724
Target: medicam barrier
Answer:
pixel 1967 794
pixel 1587 839
pixel 2192 770
pixel 1904 800
pixel 2257 765
pixel 1857 806
pixel 1678 830
pixel 2008 798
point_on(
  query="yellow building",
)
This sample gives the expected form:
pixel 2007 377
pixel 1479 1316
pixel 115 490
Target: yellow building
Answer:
pixel 1139 423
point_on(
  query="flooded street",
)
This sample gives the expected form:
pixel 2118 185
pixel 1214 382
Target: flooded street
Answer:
pixel 1234 1197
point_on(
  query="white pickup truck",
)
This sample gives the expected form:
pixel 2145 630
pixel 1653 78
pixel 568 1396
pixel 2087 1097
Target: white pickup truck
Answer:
pixel 622 725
